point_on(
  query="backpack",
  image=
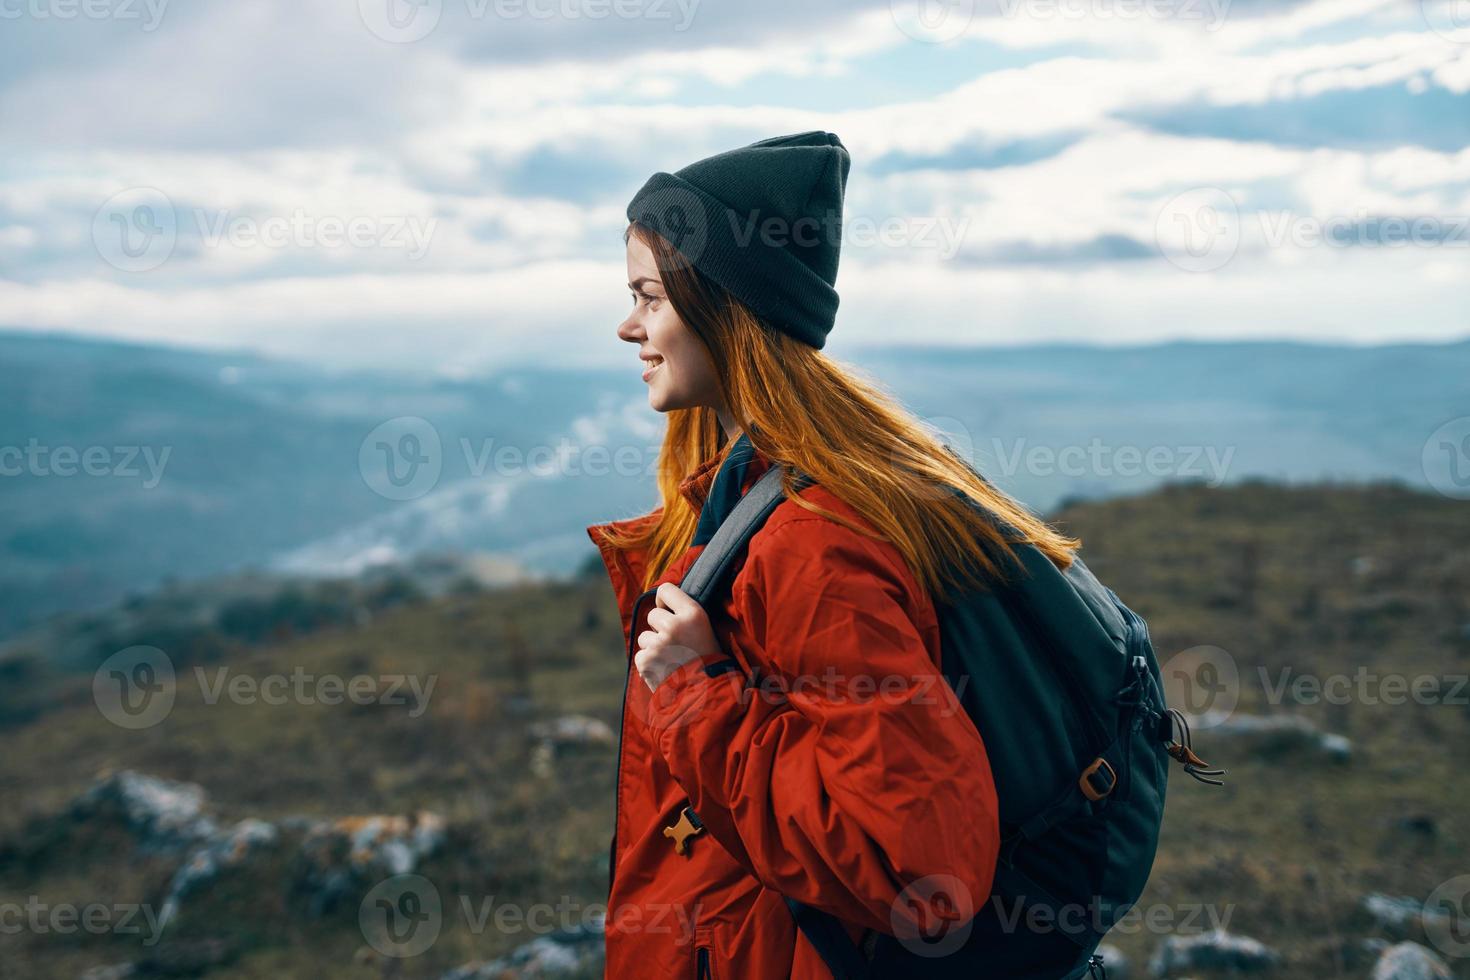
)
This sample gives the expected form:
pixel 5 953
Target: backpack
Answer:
pixel 1062 682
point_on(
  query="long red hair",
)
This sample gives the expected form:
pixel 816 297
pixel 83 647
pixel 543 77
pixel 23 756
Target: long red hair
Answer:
pixel 803 410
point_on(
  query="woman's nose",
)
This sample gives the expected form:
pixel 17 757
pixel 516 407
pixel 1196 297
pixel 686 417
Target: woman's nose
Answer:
pixel 631 330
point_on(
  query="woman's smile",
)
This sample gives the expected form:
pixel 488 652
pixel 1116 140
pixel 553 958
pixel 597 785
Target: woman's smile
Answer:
pixel 654 362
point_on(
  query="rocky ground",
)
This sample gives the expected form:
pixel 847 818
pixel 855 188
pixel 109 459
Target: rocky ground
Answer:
pixel 456 827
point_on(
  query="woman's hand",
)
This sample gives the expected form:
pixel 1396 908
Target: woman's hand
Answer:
pixel 679 631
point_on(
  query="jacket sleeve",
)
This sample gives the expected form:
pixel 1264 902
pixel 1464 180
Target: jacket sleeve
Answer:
pixel 851 779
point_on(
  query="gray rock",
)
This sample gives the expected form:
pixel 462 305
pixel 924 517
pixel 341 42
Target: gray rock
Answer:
pixel 187 958
pixel 1286 729
pixel 1336 747
pixel 340 855
pixel 1217 950
pixel 227 849
pixel 568 730
pixel 167 817
pixel 575 952
pixel 1410 961
pixel 1114 961
pixel 1399 915
pixel 117 971
pixel 164 815
pixel 575 730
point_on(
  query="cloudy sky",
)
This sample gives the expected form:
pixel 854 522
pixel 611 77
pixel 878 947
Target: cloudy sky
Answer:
pixel 441 184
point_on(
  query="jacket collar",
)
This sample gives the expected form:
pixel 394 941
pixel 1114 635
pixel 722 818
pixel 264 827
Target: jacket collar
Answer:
pixel 738 471
pixel 625 567
pixel 695 487
pixel 726 474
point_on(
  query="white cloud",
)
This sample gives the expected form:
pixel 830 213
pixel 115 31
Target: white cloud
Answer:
pixel 264 110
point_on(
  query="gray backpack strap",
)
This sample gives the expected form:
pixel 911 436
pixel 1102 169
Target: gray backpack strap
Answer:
pixel 706 576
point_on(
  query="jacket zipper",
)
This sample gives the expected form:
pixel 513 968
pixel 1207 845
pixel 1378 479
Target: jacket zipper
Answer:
pixel 612 858
pixel 702 965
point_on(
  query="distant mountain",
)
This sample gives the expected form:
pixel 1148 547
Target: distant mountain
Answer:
pixel 125 465
pixel 204 463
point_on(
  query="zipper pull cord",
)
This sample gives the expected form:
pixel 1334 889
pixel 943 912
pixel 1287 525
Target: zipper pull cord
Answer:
pixel 1183 752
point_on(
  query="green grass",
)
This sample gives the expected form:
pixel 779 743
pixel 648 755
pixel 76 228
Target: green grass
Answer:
pixel 1287 848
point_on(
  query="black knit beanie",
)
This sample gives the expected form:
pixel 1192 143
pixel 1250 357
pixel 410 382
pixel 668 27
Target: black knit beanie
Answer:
pixel 764 221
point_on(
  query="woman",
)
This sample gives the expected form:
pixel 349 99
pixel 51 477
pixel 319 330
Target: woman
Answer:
pixel 799 742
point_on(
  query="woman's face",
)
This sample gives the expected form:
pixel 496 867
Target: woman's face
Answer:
pixel 675 363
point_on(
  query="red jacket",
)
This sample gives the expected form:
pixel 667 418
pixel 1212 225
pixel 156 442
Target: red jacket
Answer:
pixel 846 774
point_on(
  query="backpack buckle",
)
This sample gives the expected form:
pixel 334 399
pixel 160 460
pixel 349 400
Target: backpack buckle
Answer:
pixel 1097 780
pixel 688 826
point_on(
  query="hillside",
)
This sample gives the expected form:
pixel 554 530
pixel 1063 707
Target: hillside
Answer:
pixel 207 463
pixel 1317 580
